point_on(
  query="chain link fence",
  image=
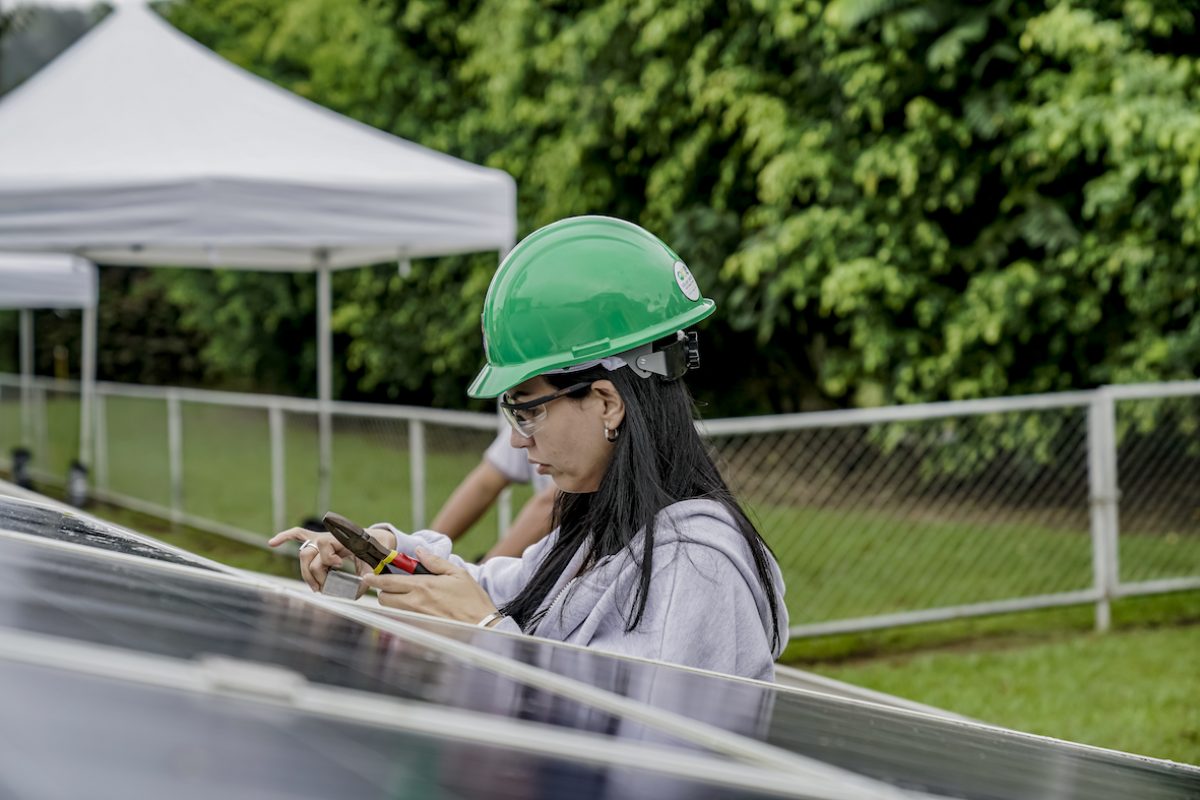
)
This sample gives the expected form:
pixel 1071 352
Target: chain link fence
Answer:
pixel 1158 455
pixel 878 517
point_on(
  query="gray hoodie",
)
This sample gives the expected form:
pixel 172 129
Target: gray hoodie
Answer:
pixel 706 606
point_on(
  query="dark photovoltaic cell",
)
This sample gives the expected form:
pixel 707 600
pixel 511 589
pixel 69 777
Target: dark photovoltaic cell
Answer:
pixel 915 751
pixel 73 735
pixel 181 614
pixel 22 517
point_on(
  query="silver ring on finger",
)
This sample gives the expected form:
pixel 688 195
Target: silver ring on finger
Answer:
pixel 307 544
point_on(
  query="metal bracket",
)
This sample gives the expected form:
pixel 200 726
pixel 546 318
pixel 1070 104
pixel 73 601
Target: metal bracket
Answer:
pixel 341 584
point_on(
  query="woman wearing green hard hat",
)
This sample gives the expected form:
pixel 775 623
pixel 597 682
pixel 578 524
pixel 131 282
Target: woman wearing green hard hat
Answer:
pixel 584 333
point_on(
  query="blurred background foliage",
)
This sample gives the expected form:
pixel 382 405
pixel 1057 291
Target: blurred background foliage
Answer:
pixel 890 201
pixel 32 35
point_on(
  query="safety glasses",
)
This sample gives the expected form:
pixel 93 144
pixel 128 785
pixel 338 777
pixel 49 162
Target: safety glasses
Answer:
pixel 528 415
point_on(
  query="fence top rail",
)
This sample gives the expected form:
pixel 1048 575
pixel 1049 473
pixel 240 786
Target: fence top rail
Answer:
pixel 1148 391
pixel 433 416
pixel 714 427
pixel 957 408
pixel 301 405
pixel 918 411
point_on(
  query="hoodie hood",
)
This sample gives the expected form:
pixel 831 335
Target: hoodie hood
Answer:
pixel 707 607
pixel 707 523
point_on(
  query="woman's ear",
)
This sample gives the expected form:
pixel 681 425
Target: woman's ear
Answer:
pixel 612 409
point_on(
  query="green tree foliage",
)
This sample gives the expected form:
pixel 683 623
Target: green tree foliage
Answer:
pixel 257 329
pixel 10 22
pixel 32 35
pixel 140 337
pixel 891 201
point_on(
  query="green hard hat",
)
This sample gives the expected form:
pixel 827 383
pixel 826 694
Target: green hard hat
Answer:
pixel 579 290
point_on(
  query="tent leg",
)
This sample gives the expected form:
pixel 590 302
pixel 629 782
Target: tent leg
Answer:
pixel 26 377
pixel 77 476
pixel 87 390
pixel 324 384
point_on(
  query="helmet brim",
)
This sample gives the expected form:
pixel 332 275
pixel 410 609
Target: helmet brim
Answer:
pixel 494 381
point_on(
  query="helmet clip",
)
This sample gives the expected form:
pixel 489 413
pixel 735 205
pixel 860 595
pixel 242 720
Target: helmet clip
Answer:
pixel 670 361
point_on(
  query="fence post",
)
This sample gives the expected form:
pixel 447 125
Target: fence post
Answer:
pixel 41 430
pixel 175 454
pixel 87 391
pixel 278 486
pixel 100 410
pixel 1102 481
pixel 416 470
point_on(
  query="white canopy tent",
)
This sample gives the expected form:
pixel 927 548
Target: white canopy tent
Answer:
pixel 138 146
pixel 30 281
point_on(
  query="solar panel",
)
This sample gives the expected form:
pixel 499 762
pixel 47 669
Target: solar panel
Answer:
pixel 46 520
pixel 920 751
pixel 110 597
pixel 185 614
pixel 77 735
pixel 106 599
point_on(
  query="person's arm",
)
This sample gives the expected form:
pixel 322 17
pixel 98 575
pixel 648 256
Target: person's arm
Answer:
pixel 470 500
pixel 530 526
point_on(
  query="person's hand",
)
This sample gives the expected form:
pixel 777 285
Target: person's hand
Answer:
pixel 316 559
pixel 449 592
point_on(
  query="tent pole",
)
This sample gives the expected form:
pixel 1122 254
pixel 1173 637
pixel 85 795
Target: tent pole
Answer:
pixel 26 377
pixel 324 382
pixel 87 390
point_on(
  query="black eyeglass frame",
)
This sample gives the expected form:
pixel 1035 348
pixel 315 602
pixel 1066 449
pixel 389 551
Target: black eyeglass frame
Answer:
pixel 525 405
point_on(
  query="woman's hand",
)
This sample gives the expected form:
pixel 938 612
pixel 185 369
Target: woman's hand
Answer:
pixel 449 592
pixel 315 562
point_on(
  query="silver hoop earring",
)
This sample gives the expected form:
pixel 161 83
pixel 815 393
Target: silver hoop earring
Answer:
pixel 611 434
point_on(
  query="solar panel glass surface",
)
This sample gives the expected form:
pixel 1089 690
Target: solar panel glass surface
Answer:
pixel 185 614
pixel 50 523
pixel 911 750
pixel 73 735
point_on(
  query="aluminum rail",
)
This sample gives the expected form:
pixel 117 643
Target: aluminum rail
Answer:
pixel 868 416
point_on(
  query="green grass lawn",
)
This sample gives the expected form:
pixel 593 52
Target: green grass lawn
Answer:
pixel 1135 688
pixel 849 563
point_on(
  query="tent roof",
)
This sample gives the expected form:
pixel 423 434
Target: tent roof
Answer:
pixel 46 280
pixel 140 146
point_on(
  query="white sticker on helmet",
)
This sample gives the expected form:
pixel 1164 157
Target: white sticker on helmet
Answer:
pixel 687 284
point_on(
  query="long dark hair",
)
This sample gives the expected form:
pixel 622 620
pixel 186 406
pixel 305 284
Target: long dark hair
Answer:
pixel 658 459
